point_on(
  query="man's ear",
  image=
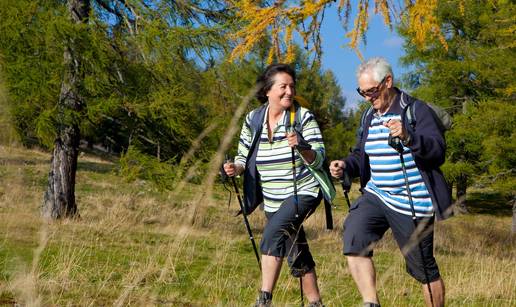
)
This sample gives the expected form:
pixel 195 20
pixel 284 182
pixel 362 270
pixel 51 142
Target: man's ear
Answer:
pixel 390 81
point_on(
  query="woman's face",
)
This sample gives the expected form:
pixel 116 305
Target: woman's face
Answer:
pixel 282 91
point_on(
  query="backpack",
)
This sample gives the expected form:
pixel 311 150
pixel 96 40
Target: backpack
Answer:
pixel 408 104
pixel 256 125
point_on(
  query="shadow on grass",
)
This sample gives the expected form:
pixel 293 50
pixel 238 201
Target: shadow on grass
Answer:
pixel 24 162
pixel 489 203
pixel 101 168
pixel 7 301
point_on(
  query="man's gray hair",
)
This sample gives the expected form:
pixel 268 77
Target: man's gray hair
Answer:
pixel 378 67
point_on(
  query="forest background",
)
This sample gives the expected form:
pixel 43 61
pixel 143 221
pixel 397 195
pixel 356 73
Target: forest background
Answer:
pixel 151 94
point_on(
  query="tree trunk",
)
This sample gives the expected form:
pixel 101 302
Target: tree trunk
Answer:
pixel 59 200
pixel 460 203
pixel 513 214
pixel 60 196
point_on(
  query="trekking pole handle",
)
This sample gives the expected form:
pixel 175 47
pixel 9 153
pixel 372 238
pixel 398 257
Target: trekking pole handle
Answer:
pixel 395 143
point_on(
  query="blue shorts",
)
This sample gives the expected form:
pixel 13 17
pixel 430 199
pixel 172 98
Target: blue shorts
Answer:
pixel 284 236
pixel 368 220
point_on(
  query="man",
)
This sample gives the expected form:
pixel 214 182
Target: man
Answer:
pixel 400 191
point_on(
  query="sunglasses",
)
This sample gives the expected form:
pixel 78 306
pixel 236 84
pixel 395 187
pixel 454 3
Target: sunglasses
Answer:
pixel 373 91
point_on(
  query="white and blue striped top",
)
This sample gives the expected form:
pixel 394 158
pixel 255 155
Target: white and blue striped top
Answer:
pixel 274 159
pixel 387 179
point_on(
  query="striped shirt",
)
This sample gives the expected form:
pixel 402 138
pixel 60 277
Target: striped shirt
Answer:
pixel 274 159
pixel 387 179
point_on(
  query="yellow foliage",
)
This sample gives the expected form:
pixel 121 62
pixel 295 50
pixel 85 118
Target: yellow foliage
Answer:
pixel 360 27
pixel 302 101
pixel 423 24
pixel 461 7
pixel 280 20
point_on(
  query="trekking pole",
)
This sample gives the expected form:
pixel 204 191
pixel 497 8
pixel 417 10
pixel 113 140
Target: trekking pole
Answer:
pixel 296 200
pixel 395 143
pixel 345 182
pixel 246 221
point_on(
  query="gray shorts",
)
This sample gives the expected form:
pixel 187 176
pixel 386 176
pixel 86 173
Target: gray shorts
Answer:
pixel 284 236
pixel 368 220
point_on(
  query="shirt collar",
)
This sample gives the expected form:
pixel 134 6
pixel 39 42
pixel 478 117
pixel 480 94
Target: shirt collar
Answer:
pixel 395 107
pixel 266 117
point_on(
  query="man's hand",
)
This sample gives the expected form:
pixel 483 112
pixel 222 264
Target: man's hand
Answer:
pixel 337 168
pixel 396 129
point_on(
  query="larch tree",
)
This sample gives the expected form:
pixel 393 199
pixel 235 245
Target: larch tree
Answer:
pixel 147 28
pixel 59 200
pixel 74 66
pixel 280 20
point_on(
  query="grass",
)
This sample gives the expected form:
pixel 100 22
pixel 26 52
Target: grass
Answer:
pixel 134 245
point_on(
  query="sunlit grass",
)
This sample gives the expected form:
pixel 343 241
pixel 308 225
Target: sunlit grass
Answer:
pixel 134 245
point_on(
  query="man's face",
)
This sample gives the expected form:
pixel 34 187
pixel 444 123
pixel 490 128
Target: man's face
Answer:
pixel 375 92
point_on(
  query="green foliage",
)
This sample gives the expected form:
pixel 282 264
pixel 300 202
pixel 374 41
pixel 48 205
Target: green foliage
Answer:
pixel 140 80
pixel 136 165
pixel 487 147
pixel 7 132
pixel 32 57
pixel 473 79
pixel 154 79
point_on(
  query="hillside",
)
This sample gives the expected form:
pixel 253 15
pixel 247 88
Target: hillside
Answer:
pixel 136 246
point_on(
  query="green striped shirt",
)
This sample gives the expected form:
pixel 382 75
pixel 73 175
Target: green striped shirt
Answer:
pixel 274 159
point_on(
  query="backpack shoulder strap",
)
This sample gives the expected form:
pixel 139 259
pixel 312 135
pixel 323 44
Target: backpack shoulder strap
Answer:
pixel 257 117
pixel 363 119
pixel 408 104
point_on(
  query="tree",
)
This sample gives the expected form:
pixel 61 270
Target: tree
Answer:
pixel 472 78
pixel 59 198
pixel 129 66
pixel 279 20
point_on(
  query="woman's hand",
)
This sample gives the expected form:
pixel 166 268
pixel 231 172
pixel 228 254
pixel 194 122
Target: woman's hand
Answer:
pixel 230 169
pixel 233 169
pixel 292 139
pixel 297 141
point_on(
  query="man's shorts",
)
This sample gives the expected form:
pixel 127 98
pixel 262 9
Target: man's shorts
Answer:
pixel 284 236
pixel 368 220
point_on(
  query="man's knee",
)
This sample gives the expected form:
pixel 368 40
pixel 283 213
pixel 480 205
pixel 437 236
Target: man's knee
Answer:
pixel 425 272
pixel 358 262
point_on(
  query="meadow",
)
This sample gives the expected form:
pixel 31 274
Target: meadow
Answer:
pixel 135 245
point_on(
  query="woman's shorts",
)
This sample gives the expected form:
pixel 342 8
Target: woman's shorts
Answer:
pixel 284 236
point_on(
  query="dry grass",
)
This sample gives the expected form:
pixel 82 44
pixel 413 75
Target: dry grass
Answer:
pixel 136 246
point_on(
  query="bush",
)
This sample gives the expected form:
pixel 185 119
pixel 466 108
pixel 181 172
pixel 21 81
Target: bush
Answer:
pixel 137 165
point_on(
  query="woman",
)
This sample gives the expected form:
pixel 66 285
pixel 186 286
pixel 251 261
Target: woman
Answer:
pixel 267 153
